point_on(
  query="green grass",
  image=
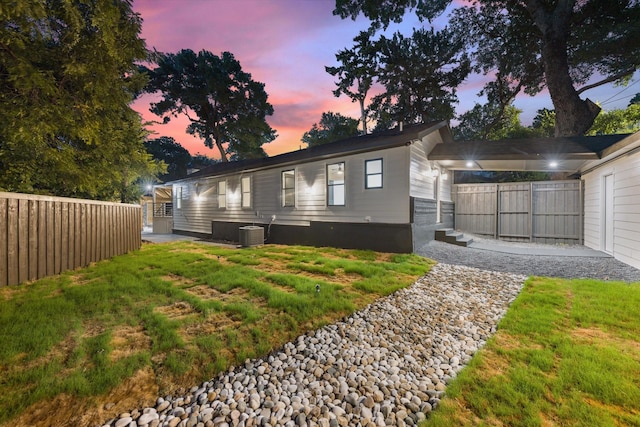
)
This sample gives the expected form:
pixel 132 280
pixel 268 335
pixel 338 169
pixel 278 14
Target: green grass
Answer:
pixel 184 311
pixel 566 353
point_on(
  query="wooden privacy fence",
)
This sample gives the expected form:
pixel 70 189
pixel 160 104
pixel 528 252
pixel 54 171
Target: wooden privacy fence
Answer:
pixel 543 211
pixel 41 236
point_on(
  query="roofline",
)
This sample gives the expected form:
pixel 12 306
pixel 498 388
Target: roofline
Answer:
pixel 374 142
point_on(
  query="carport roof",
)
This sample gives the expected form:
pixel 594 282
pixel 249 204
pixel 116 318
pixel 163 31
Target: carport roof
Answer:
pixel 566 154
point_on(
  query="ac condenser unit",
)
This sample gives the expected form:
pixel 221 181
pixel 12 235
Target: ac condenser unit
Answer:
pixel 251 235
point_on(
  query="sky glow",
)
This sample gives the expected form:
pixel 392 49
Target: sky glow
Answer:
pixel 286 44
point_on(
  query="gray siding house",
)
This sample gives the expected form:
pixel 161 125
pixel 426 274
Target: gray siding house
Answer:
pixel 377 191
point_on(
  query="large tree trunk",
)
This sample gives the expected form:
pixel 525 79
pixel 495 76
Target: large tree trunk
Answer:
pixel 574 116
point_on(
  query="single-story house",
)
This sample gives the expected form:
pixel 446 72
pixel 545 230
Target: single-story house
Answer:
pixel 376 191
pixel 390 191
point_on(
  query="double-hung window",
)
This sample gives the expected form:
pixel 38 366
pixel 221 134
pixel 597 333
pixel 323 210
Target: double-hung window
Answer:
pixel 289 188
pixel 373 173
pixel 222 194
pixel 335 184
pixel 245 185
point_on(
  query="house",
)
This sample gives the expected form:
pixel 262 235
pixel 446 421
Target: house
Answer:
pixel 390 191
pixel 376 191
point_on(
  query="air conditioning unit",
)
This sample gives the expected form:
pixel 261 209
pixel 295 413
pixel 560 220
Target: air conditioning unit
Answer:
pixel 251 235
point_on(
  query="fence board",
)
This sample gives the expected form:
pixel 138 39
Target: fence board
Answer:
pixel 41 236
pixel 23 240
pixel 545 211
pixel 12 242
pixel 4 248
pixel 33 240
pixel 57 237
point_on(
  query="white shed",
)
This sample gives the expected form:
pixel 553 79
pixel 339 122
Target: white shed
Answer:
pixel 612 201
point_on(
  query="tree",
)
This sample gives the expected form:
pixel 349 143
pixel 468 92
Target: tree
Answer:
pixel 607 123
pixel 544 123
pixel 617 121
pixel 67 77
pixel 167 150
pixel 357 68
pixel 224 105
pixel 533 44
pixel 420 75
pixel 635 99
pixel 332 127
pixel 484 122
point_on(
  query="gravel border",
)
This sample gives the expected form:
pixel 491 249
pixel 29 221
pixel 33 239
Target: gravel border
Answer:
pixel 570 267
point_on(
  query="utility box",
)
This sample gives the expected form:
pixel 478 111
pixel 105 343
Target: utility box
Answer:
pixel 251 235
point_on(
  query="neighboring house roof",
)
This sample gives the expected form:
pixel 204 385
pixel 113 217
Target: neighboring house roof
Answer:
pixel 568 154
pixel 358 144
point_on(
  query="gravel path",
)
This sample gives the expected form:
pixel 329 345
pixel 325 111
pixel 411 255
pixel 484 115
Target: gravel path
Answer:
pixel 386 365
pixel 534 265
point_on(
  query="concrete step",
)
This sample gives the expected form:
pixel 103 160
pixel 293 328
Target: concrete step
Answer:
pixel 449 235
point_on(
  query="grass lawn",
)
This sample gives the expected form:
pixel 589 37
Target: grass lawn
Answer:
pixel 79 348
pixel 566 353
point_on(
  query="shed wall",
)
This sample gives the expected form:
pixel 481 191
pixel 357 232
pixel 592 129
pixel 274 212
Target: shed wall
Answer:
pixel 625 172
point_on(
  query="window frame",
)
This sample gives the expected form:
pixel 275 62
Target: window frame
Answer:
pixel 285 189
pixel 244 194
pixel 331 187
pixel 367 175
pixel 222 195
pixel 179 197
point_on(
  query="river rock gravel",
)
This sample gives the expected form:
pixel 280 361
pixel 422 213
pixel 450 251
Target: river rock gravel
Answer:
pixel 386 365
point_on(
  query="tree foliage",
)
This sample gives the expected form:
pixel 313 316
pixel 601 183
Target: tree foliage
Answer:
pixel 617 121
pixel 174 155
pixel 482 122
pixel 67 77
pixel 420 75
pixel 533 44
pixel 225 106
pixel 356 72
pixel 332 127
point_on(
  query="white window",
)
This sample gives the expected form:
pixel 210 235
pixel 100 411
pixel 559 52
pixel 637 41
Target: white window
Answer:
pixel 373 173
pixel 289 188
pixel 179 198
pixel 335 184
pixel 222 194
pixel 246 192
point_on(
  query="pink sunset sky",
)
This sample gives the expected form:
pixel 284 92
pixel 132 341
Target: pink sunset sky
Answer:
pixel 286 44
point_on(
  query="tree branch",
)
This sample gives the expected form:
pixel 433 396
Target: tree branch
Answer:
pixel 609 79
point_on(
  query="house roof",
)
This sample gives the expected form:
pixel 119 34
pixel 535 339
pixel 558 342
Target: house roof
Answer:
pixel 358 144
pixel 566 154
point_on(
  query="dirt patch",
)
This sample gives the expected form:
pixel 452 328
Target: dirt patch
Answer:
pixel 177 280
pixel 596 336
pixel 177 310
pixel 128 340
pixel 138 391
pixel 209 326
pixel 208 293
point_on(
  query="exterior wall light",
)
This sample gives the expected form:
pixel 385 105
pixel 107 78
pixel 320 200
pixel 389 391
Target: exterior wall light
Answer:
pixel 469 164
